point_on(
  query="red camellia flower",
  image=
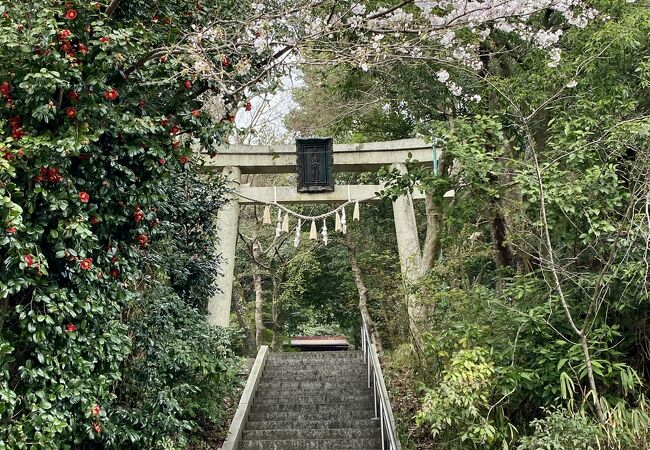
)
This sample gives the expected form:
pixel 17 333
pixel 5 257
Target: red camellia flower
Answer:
pixel 64 34
pixel 74 96
pixel 17 133
pixel 53 175
pixel 225 61
pixel 84 197
pixel 162 161
pixel 111 95
pixel 71 14
pixel 141 104
pixel 248 106
pixel 71 327
pixel 50 175
pixel 104 39
pixel 164 121
pixel 86 264
pixel 155 19
pixel 175 129
pixel 138 216
pixel 143 239
pixel 71 112
pixel 11 230
pixel 175 145
pixel 94 220
pixel 183 159
pixel 196 113
pixel 82 49
pixel 97 427
pixel 5 88
pixel 188 84
pixel 29 260
pixel 95 410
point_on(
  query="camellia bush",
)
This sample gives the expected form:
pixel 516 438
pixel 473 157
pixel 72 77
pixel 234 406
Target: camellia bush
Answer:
pixel 104 280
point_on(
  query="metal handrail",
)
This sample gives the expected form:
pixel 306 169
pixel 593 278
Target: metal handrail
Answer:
pixel 383 410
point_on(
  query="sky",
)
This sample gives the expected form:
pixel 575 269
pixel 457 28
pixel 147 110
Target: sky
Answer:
pixel 264 124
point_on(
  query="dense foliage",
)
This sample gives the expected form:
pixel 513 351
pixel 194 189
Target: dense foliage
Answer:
pixel 536 330
pixel 106 236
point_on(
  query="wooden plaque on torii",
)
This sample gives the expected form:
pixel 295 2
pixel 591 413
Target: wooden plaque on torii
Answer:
pixel 315 162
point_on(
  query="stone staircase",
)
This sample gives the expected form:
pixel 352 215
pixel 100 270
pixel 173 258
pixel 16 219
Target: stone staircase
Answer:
pixel 313 401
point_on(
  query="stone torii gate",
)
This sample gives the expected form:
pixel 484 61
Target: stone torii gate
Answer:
pixel 235 160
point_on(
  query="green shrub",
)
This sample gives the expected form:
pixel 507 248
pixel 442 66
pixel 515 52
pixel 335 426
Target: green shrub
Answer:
pixel 560 429
pixel 97 115
pixel 459 403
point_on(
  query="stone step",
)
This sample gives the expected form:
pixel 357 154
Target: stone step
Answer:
pixel 324 367
pixel 307 386
pixel 310 424
pixel 319 444
pixel 339 433
pixel 320 414
pixel 293 363
pixel 315 370
pixel 348 391
pixel 326 411
pixel 311 378
pixel 343 374
pixel 315 355
pixel 329 399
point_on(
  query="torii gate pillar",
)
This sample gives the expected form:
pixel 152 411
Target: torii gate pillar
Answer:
pixel 406 230
pixel 228 225
pixel 408 243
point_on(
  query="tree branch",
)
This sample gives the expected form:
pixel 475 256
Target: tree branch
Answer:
pixel 112 6
pixel 389 10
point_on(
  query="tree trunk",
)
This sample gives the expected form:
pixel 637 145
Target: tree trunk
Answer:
pixel 238 305
pixel 274 311
pixel 433 207
pixel 363 290
pixel 502 251
pixel 431 248
pixel 259 293
pixel 4 310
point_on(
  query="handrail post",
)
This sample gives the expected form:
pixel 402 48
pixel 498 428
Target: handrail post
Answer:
pixel 381 422
pixel 374 394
